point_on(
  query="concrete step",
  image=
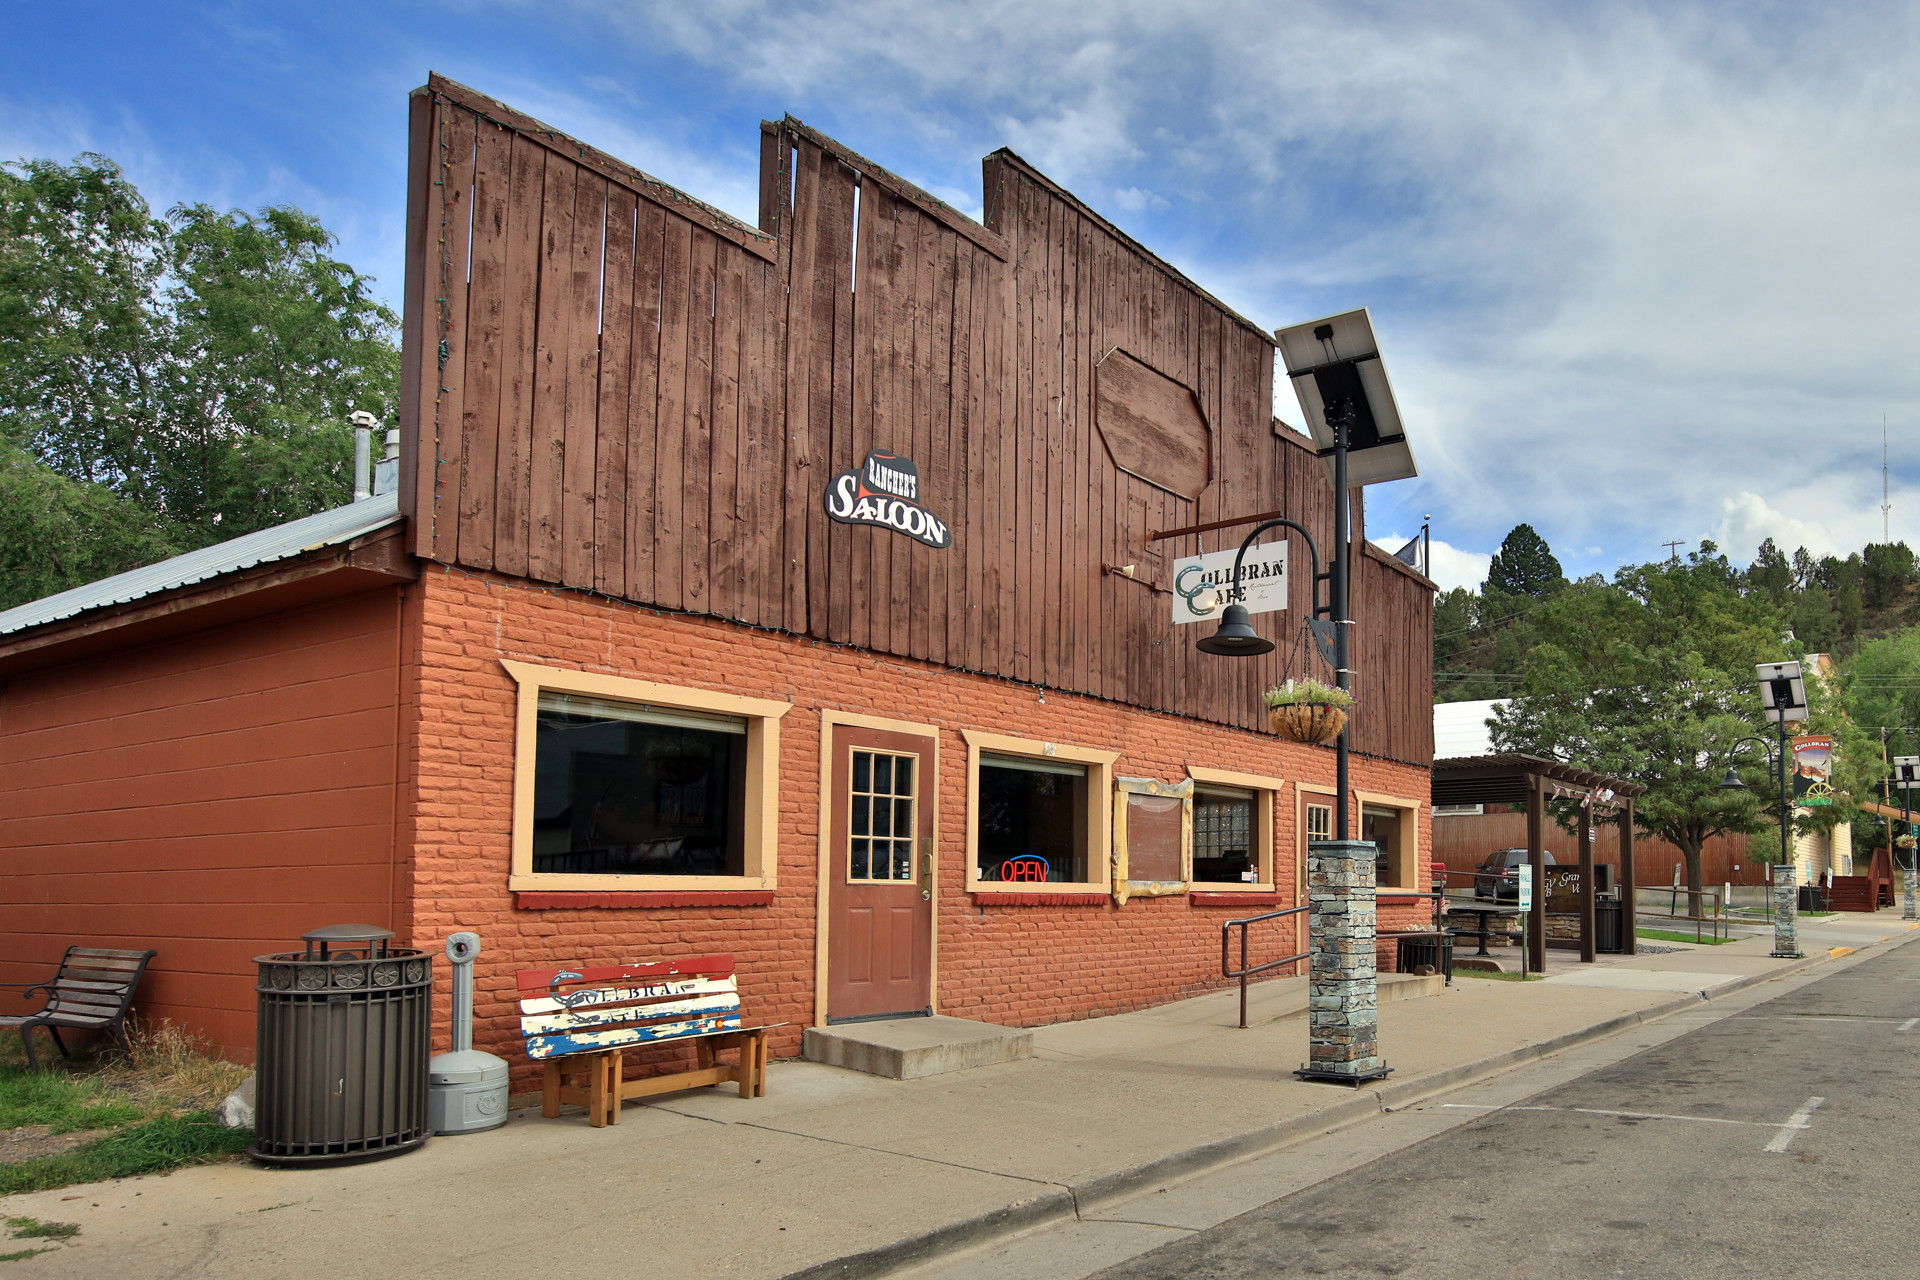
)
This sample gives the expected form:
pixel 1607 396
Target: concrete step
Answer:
pixel 910 1048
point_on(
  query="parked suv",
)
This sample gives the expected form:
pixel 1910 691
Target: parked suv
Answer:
pixel 1496 878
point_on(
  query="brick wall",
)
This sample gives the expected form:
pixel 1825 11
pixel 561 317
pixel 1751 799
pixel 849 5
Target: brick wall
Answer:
pixel 211 796
pixel 1006 964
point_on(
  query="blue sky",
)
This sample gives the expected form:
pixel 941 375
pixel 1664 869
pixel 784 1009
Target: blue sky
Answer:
pixel 1640 272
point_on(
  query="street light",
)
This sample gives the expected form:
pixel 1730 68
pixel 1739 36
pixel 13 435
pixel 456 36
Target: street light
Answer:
pixel 1342 386
pixel 1783 699
pixel 1906 776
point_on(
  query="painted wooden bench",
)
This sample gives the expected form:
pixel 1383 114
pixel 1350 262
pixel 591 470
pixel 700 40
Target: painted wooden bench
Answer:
pixel 580 1021
pixel 91 991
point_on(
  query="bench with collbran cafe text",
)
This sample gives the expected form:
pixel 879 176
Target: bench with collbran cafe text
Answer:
pixel 580 1021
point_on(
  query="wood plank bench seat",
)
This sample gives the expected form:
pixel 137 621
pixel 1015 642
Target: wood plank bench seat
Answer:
pixel 91 991
pixel 580 1021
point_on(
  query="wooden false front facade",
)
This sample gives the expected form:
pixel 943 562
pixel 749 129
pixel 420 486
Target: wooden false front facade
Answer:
pixel 616 388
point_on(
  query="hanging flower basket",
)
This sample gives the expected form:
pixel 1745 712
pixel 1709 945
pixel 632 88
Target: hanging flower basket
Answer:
pixel 1307 721
pixel 1905 842
pixel 1307 711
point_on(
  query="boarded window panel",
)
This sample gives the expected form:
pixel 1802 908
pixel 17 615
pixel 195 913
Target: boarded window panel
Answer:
pixel 1155 825
pixel 1152 427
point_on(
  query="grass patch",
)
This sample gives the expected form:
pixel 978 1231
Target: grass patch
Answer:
pixel 156 1104
pixel 34 1229
pixel 153 1146
pixel 1816 913
pixel 61 1102
pixel 1671 935
pixel 1498 976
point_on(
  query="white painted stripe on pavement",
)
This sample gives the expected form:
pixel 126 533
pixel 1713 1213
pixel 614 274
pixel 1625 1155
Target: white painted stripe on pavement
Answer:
pixel 1908 1025
pixel 1801 1119
pixel 1624 1115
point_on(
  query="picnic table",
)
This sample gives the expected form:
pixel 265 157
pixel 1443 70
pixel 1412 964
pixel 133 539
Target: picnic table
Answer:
pixel 1485 913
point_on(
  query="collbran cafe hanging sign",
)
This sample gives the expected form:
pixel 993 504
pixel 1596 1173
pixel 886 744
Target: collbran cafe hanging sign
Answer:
pixel 885 492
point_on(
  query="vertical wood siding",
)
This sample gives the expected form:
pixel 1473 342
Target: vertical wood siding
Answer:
pixel 620 389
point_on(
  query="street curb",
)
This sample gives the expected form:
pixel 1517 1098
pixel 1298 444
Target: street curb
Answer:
pixel 1074 1200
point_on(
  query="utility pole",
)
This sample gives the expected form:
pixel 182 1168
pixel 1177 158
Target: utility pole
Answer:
pixel 1673 549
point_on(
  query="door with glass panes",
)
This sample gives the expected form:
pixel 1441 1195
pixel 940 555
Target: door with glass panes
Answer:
pixel 880 875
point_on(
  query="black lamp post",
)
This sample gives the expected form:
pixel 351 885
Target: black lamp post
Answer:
pixel 1783 698
pixel 1906 776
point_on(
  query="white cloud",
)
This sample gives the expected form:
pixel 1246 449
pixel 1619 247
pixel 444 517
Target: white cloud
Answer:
pixel 1452 566
pixel 1623 259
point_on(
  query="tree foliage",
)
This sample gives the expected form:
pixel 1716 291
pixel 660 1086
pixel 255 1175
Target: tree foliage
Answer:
pixel 1651 678
pixel 169 383
pixel 1524 566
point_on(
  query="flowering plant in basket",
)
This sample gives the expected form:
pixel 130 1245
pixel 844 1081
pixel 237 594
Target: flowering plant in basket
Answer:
pixel 1308 711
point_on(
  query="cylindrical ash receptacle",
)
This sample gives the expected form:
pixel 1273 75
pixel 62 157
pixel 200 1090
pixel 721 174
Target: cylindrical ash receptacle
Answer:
pixel 467 1089
pixel 342 1046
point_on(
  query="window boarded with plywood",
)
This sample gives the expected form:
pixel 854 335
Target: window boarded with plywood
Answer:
pixel 1152 426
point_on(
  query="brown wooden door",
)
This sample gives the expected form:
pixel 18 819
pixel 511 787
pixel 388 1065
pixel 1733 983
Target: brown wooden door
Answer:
pixel 879 881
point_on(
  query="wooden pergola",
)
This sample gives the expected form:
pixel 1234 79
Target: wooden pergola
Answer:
pixel 1532 781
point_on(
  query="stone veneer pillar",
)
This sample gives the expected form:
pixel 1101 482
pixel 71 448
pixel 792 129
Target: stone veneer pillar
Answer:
pixel 1343 1012
pixel 1910 910
pixel 1785 898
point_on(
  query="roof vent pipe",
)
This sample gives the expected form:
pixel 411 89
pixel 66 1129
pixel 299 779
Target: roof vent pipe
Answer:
pixel 363 423
pixel 386 474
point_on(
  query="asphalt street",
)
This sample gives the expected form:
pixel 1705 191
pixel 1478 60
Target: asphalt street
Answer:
pixel 1774 1142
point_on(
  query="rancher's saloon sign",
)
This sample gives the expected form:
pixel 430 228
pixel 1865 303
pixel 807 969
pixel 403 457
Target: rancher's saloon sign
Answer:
pixel 885 491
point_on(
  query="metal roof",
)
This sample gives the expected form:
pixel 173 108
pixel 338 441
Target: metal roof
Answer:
pixel 281 542
pixel 1460 728
pixel 1503 778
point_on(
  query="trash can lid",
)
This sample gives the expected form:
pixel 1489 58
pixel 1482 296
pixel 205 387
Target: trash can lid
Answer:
pixel 347 933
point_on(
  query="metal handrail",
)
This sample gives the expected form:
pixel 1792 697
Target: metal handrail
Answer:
pixel 1244 971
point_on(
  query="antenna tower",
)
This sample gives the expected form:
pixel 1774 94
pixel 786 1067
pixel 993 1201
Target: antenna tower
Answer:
pixel 1886 505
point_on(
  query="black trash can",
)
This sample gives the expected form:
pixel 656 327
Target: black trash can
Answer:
pixel 1813 897
pixel 1607 924
pixel 342 1047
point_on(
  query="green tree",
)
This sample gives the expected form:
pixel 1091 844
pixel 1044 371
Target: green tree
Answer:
pixel 83 351
pixel 1650 678
pixel 1882 683
pixel 1524 566
pixel 276 343
pixel 1886 571
pixel 57 532
pixel 1770 573
pixel 190 378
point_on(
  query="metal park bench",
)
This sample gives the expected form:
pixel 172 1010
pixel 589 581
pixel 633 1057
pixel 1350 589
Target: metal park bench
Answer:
pixel 91 992
pixel 581 1020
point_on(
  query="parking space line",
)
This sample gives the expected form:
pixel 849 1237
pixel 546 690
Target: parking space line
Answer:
pixel 1801 1119
pixel 1908 1025
pixel 1623 1115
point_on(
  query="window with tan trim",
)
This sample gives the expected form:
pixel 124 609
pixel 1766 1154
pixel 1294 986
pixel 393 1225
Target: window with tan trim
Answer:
pixel 628 785
pixel 1232 829
pixel 1313 820
pixel 1037 817
pixel 1392 825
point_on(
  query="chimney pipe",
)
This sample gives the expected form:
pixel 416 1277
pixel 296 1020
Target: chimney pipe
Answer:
pixel 363 423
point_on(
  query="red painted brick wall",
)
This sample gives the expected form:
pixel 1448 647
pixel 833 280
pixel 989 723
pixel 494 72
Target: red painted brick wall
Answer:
pixel 211 796
pixel 1004 964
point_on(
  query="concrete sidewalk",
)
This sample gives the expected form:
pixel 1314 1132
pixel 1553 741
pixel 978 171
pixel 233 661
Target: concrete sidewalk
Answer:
pixel 836 1173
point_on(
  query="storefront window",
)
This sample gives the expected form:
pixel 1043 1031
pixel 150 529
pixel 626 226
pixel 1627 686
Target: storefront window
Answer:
pixel 623 789
pixel 1224 848
pixel 1032 821
pixel 1381 829
pixel 629 786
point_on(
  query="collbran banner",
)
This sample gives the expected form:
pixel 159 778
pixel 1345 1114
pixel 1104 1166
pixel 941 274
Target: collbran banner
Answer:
pixel 885 492
pixel 1813 771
